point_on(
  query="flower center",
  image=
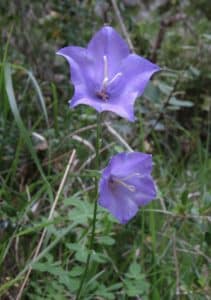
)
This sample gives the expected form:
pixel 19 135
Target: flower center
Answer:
pixel 103 94
pixel 121 181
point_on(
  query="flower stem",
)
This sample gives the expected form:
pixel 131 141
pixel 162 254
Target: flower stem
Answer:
pixel 155 292
pixel 91 242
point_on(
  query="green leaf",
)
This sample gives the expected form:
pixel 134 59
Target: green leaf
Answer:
pixel 37 90
pixel 152 93
pixel 18 119
pixel 76 271
pixel 39 94
pixel 106 240
pixel 165 88
pixel 181 103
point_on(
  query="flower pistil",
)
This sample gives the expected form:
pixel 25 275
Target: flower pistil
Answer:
pixel 103 94
pixel 113 180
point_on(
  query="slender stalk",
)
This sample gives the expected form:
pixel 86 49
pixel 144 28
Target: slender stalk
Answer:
pixel 155 294
pixel 39 245
pixel 122 24
pixel 141 132
pixel 91 243
pixel 208 135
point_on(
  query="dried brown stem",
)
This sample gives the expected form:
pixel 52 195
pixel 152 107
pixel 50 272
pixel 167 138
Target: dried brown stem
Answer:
pixel 164 24
pixel 165 104
pixel 176 268
pixel 39 245
pixel 122 24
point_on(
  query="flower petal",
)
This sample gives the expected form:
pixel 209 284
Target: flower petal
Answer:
pixel 81 63
pixel 124 164
pixel 145 190
pixel 137 72
pixel 105 75
pixel 121 110
pixel 90 100
pixel 107 42
pixel 118 203
pixel 126 185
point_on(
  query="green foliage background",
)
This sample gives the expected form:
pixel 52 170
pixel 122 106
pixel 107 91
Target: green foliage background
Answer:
pixel 164 252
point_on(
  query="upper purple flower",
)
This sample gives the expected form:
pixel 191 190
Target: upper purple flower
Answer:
pixel 105 75
pixel 126 184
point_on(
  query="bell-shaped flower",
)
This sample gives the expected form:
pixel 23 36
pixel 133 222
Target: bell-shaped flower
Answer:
pixel 126 184
pixel 105 75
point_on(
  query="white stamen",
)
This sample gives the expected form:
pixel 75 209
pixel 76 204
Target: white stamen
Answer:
pixel 121 181
pixel 132 175
pixel 115 77
pixel 105 79
pixel 130 187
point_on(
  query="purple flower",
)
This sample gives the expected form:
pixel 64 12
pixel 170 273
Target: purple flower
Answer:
pixel 105 75
pixel 126 184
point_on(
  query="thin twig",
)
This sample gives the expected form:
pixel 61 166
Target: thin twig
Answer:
pixel 207 258
pixel 80 130
pixel 83 141
pixel 118 136
pixel 88 161
pixel 122 25
pixel 165 104
pixel 166 212
pixel 92 238
pixel 72 156
pixel 197 251
pixel 176 268
pixel 162 203
pixel 164 24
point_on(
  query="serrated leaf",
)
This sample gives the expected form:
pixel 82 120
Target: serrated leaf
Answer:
pixel 135 269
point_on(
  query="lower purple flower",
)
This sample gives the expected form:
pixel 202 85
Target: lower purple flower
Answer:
pixel 126 184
